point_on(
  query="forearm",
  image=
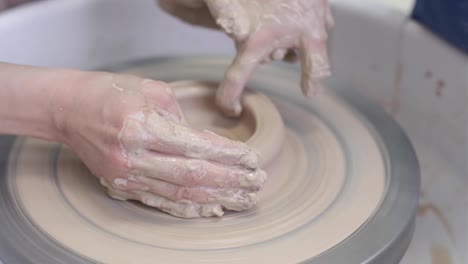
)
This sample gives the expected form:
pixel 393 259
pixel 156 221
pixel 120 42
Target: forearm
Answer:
pixel 30 101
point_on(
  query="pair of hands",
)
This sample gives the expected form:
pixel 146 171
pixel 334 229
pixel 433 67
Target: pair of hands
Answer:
pixel 131 132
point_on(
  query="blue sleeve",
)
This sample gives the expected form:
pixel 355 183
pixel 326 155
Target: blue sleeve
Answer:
pixel 446 18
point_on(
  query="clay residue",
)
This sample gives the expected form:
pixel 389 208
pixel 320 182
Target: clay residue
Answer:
pixel 439 88
pixel 429 207
pixel 428 74
pixel 395 102
pixel 440 255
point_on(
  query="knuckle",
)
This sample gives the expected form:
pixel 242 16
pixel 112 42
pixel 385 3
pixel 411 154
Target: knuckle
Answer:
pixel 195 171
pixel 132 145
pixel 181 193
pixel 159 92
pixel 158 87
pixel 131 138
pixel 189 179
pixel 117 161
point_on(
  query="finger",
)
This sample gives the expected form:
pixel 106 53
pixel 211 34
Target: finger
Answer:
pixel 160 94
pixel 184 209
pixel 174 138
pixel 180 209
pixel 123 184
pixel 194 172
pixel 233 84
pixel 329 21
pixel 232 199
pixel 315 65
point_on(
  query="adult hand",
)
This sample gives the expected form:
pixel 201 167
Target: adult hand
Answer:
pixel 131 133
pixel 264 30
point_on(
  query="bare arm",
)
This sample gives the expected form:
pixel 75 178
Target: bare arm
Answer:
pixel 29 99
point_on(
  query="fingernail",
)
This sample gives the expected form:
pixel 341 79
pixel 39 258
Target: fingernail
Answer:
pixel 233 110
pixel 228 105
pixel 250 160
pixel 306 87
pixel 311 91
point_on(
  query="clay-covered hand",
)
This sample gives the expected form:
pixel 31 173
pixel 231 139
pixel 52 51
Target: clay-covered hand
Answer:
pixel 131 133
pixel 264 30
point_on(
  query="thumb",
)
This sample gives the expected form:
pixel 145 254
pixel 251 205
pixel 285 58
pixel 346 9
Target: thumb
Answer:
pixel 161 95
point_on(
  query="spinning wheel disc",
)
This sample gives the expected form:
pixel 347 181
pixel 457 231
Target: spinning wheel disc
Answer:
pixel 343 188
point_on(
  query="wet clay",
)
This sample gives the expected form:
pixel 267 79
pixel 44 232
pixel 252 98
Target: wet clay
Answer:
pixel 425 208
pixel 326 178
pixel 440 255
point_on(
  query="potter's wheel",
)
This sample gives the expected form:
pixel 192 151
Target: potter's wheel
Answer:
pixel 343 189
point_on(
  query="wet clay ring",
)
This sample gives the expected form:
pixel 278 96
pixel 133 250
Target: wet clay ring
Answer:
pixel 263 128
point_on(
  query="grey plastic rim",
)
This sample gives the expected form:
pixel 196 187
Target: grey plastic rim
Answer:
pixel 384 238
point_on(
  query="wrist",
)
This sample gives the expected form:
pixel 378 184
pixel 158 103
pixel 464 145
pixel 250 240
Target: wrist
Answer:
pixel 62 97
pixel 28 101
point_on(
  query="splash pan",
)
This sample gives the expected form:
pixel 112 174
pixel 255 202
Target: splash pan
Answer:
pixel 343 185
